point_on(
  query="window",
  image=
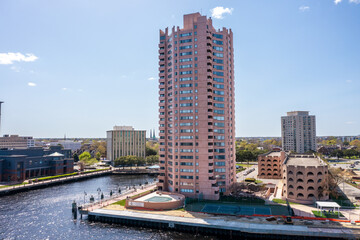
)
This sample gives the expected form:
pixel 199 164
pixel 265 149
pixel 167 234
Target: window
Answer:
pixel 185 66
pixel 220 170
pixel 218 67
pixel 185 53
pixel 218 48
pixel 219 163
pixel 218 60
pixel 221 86
pixel 219 118
pixel 185 72
pixel 186 170
pixel 185 98
pixel 185 47
pixel 219 124
pixel 186 117
pixel 185 60
pixel 186 40
pixel 218 73
pixel 218 92
pixel 185 104
pixel 218 42
pixel 185 79
pixel 186 111
pixel 185 124
pixel 217 35
pixel 186 190
pixel 218 80
pixel 219 105
pixel 186 163
pixel 185 92
pixel 219 111
pixel 186 130
pixel 185 85
pixel 220 99
pixel 218 54
pixel 186 137
pixel 185 34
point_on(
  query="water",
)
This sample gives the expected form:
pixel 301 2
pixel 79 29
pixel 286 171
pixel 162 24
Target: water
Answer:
pixel 46 214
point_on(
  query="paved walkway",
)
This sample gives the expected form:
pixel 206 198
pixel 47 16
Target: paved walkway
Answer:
pixel 109 201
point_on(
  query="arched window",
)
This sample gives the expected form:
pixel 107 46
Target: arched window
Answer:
pixel 269 165
pixel 291 194
pixel 310 188
pixel 263 169
pixel 269 170
pixel 310 181
pixel 263 165
pixel 269 174
pixel 291 186
pixel 299 173
pixel 300 195
pixel 275 174
pixel 262 160
pixel 290 179
pixel 290 172
pixel 275 160
pixel 311 195
pixel 299 180
pixel 310 174
pixel 263 174
pixel 275 165
pixel 268 160
pixel 299 188
pixel 319 173
pixel 319 181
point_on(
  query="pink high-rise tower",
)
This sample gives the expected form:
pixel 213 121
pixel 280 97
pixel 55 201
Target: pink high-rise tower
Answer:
pixel 197 109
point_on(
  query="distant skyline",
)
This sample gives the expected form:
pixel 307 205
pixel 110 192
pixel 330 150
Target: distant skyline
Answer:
pixel 80 67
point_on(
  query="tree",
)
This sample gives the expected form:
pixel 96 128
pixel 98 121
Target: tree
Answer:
pixel 356 143
pixel 85 156
pixel 140 161
pixel 121 161
pixel 337 153
pixel 245 156
pixel 150 151
pixel 350 153
pixel 153 159
pixel 98 156
pixel 76 157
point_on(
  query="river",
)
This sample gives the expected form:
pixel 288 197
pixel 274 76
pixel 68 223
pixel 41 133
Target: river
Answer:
pixel 46 213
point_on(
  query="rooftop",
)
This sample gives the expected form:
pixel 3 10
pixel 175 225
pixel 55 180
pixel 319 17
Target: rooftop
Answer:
pixel 274 154
pixel 304 160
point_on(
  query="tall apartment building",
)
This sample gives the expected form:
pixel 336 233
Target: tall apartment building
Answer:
pixel 125 141
pixel 298 132
pixel 197 109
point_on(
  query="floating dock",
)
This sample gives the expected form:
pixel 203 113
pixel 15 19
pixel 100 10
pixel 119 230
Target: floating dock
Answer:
pixel 221 226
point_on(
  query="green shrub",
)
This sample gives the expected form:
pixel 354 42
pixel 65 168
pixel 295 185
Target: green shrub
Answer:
pixel 250 179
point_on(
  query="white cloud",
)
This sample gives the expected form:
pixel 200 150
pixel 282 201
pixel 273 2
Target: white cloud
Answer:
pixel 304 8
pixel 31 84
pixel 10 58
pixel 151 78
pixel 15 69
pixel 218 12
pixel 354 1
pixel 349 81
pixel 337 1
pixel 64 89
pixel 350 122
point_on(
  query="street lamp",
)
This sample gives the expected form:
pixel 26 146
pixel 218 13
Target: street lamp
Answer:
pixel 99 191
pixel 84 196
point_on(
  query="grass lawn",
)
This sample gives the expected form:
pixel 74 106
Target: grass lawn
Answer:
pixel 243 165
pixel 327 215
pixel 277 200
pixel 240 170
pixel 19 184
pixel 121 202
pixel 258 181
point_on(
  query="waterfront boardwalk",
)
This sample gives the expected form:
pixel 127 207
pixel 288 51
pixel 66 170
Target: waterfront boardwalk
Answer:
pixel 86 208
pixel 56 181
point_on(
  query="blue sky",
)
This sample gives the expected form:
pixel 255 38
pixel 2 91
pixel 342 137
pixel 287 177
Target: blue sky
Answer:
pixel 80 67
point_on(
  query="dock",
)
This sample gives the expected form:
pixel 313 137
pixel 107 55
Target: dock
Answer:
pixel 220 226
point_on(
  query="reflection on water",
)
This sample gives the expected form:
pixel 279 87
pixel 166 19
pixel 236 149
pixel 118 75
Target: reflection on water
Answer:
pixel 46 213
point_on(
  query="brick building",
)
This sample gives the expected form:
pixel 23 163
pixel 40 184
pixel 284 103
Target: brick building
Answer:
pixel 269 165
pixel 21 164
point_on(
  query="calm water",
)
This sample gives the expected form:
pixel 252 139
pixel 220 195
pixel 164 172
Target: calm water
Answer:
pixel 46 214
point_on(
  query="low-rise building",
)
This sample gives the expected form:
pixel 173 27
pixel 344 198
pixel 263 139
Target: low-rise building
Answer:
pixel 22 164
pixel 304 179
pixel 269 164
pixel 16 141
